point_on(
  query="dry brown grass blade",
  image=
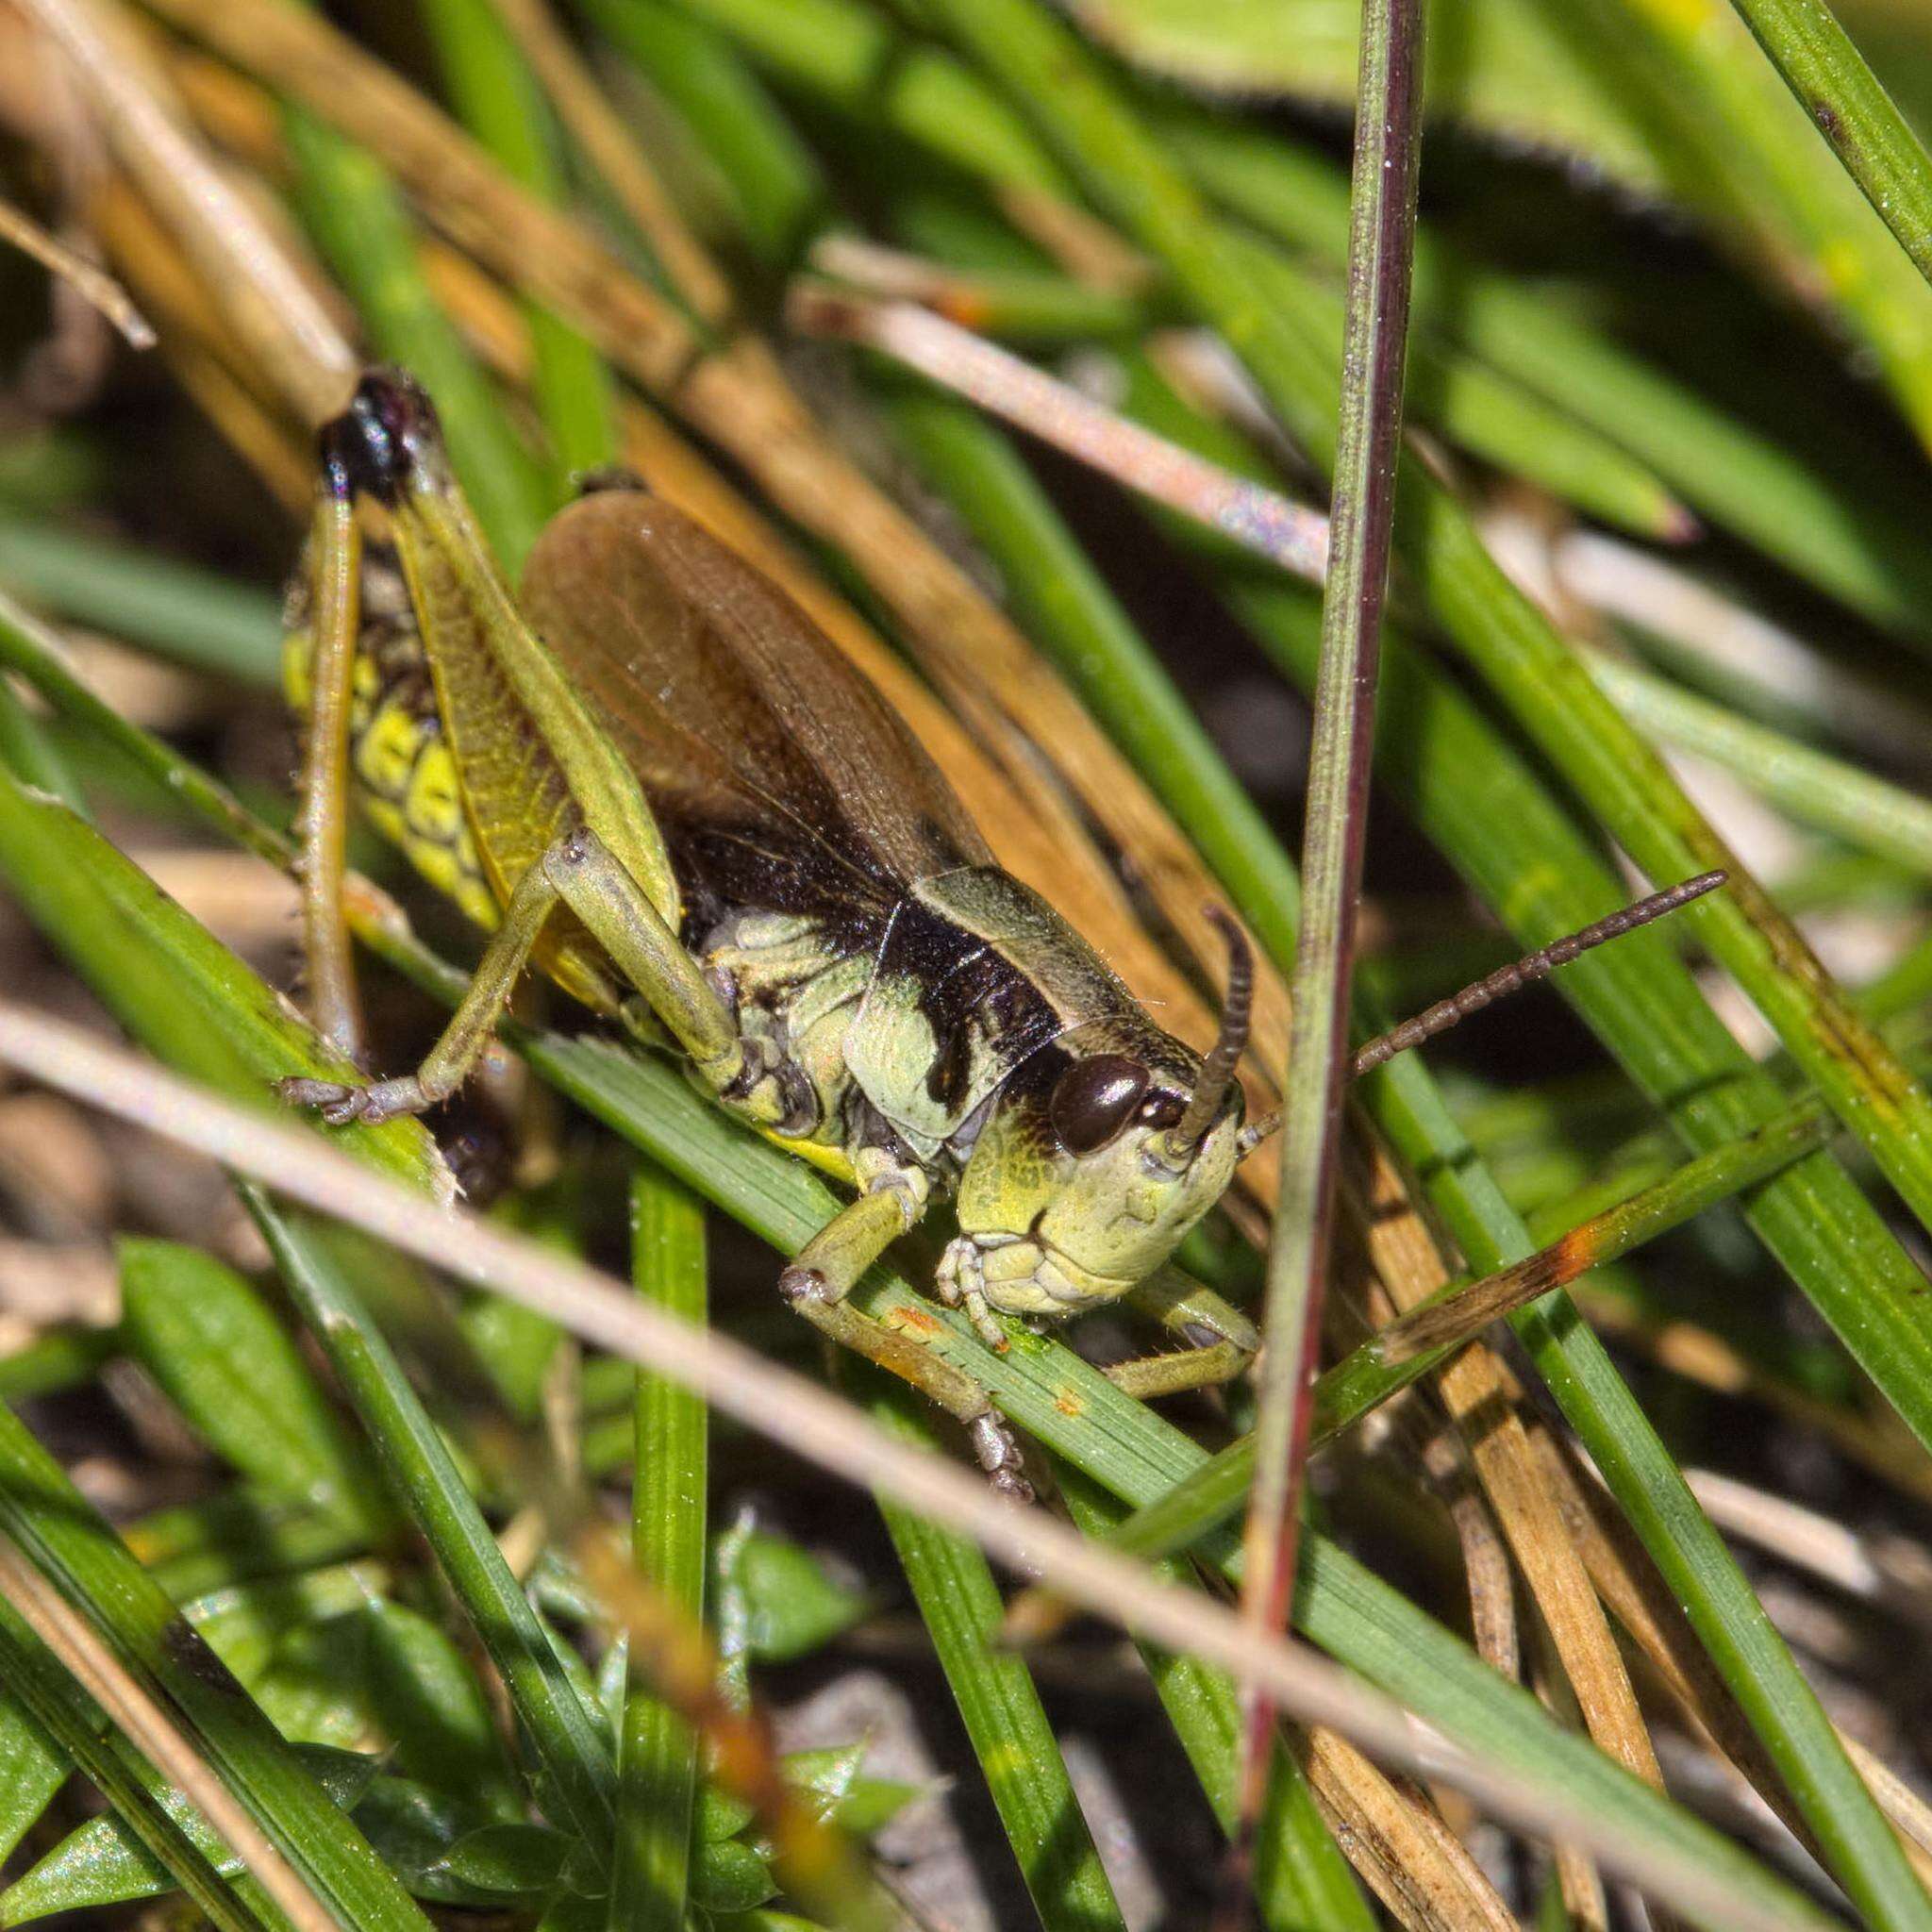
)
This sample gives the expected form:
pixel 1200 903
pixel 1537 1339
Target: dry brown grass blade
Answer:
pixel 93 283
pixel 1628 1584
pixel 1487 1573
pixel 92 1665
pixel 287 332
pixel 1479 1396
pixel 1419 1869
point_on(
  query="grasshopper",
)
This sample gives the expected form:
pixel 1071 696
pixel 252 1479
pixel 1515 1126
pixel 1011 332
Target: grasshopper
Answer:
pixel 653 777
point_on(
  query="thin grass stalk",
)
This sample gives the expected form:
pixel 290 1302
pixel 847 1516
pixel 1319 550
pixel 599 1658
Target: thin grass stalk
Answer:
pixel 1361 518
pixel 658 1769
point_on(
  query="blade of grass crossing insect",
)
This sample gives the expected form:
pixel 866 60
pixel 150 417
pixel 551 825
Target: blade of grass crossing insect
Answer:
pixel 1830 81
pixel 1377 1368
pixel 82 1557
pixel 998 1701
pixel 1301 1879
pixel 497 98
pixel 658 1759
pixel 1068 1404
pixel 1336 828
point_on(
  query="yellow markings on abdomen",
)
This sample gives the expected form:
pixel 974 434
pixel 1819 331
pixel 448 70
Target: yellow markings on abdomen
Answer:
pixel 405 780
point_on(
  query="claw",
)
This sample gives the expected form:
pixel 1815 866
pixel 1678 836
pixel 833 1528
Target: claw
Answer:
pixel 336 1104
pixel 796 1284
pixel 999 1456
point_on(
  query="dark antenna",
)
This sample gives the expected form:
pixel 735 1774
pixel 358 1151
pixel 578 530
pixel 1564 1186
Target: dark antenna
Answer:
pixel 1472 999
pixel 1217 1069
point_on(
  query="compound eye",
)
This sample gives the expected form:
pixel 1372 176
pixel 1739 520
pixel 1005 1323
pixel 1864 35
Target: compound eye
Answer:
pixel 1094 1099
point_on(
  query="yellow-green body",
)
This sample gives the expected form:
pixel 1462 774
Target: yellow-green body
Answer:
pixel 652 776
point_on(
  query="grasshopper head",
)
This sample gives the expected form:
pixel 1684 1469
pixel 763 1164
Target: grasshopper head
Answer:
pixel 1093 1164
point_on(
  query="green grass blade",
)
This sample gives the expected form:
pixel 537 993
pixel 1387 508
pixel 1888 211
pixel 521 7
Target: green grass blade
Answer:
pixel 775 191
pixel 998 1701
pixel 67 1730
pixel 80 1555
pixel 27 752
pixel 188 616
pixel 1811 786
pixel 1830 81
pixel 498 100
pixel 1301 1879
pixel 1334 828
pixel 426 1480
pixel 211 1344
pixel 658 1761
